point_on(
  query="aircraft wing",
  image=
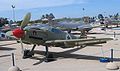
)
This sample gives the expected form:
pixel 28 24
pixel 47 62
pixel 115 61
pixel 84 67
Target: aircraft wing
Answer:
pixel 96 26
pixel 90 26
pixel 80 27
pixel 77 42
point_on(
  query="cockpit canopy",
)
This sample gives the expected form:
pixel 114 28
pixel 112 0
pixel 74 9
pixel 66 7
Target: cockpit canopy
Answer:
pixel 42 27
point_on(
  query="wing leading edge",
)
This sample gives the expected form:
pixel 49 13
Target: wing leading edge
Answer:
pixel 78 42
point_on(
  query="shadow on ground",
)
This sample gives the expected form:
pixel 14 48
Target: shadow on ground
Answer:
pixel 8 44
pixel 67 54
pixel 5 55
pixel 6 48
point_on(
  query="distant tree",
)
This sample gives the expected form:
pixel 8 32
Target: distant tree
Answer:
pixel 110 16
pixel 6 21
pixel 47 16
pixel 38 21
pixel 116 16
pixel 51 15
pixel 43 17
pixel 19 22
pixel 100 16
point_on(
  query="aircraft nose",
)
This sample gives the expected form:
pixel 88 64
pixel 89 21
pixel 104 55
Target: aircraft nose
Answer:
pixel 18 33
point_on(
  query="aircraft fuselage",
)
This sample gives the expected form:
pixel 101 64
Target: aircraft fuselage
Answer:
pixel 39 35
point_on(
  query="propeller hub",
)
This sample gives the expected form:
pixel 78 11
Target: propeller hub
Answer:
pixel 18 33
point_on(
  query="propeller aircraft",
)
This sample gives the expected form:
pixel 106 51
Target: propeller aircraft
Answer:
pixel 69 26
pixel 46 35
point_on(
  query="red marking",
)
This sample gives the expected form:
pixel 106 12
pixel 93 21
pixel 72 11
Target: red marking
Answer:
pixel 18 33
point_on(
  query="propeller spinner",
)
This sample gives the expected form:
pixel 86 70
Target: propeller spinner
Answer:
pixel 19 32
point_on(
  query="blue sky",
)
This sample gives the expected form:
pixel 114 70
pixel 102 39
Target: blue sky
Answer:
pixel 60 8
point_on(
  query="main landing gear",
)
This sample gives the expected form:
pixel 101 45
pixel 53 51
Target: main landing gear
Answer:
pixel 28 53
pixel 48 56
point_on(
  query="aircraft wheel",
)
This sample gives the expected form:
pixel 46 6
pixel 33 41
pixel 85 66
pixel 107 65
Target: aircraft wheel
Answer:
pixel 18 41
pixel 49 58
pixel 82 46
pixel 27 54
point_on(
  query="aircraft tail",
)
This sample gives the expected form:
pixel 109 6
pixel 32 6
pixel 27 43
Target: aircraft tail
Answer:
pixel 52 22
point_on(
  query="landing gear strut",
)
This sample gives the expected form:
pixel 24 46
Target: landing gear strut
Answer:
pixel 83 34
pixel 28 53
pixel 48 56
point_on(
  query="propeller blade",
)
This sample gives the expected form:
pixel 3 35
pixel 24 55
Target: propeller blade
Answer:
pixel 26 20
pixel 9 33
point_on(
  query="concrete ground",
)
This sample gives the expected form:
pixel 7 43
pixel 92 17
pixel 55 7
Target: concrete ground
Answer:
pixel 71 59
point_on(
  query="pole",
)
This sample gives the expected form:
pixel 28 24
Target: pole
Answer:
pixel 114 34
pixel 111 55
pixel 14 14
pixel 83 11
pixel 13 61
pixel 13 7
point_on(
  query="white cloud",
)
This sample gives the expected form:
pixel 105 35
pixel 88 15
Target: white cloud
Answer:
pixel 26 4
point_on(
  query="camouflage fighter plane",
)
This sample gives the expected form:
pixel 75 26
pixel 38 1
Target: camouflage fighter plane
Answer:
pixel 46 35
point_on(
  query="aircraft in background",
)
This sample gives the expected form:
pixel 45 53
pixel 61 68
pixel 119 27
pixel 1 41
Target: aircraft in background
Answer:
pixel 8 27
pixel 69 26
pixel 2 36
pixel 47 36
pixel 109 22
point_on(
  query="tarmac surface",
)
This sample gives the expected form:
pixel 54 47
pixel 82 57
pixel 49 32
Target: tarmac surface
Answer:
pixel 70 59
